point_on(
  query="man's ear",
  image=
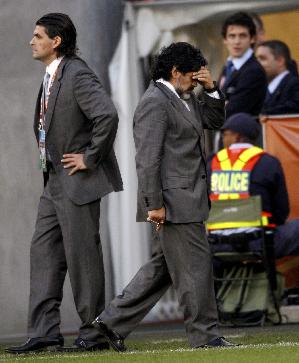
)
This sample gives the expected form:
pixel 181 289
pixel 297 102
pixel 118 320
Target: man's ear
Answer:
pixel 56 41
pixel 253 40
pixel 281 61
pixel 175 73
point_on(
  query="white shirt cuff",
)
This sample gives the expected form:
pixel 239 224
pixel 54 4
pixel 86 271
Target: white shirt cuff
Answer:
pixel 214 94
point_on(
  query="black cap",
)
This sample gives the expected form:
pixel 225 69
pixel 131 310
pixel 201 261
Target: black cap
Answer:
pixel 244 124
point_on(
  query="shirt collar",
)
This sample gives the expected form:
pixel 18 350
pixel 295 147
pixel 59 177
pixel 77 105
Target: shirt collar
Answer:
pixel 240 145
pixel 238 62
pixel 51 68
pixel 172 89
pixel 275 82
pixel 169 85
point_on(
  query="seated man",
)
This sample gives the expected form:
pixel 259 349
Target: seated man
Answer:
pixel 265 178
pixel 283 87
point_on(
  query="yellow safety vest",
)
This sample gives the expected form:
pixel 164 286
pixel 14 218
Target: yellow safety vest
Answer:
pixel 232 181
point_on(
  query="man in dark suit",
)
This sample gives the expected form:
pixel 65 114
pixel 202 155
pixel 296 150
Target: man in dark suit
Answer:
pixel 283 87
pixel 260 38
pixel 169 125
pixel 243 80
pixel 75 125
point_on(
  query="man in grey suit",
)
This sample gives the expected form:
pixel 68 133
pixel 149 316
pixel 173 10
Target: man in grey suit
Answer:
pixel 75 125
pixel 169 127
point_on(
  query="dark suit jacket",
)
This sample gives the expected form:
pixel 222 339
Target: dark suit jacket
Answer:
pixel 285 99
pixel 170 158
pixel 245 91
pixel 293 68
pixel 267 180
pixel 81 118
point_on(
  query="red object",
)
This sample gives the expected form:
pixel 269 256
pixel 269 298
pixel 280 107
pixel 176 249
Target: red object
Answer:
pixel 281 139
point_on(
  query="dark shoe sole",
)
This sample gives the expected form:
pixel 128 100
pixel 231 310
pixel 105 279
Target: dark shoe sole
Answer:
pixel 102 328
pixel 50 348
pixel 103 346
pixel 219 346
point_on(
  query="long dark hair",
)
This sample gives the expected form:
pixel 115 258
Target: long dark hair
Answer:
pixel 58 24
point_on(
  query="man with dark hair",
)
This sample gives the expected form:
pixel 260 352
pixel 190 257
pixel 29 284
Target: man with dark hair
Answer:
pixel 260 38
pixel 283 87
pixel 75 125
pixel 243 80
pixel 172 194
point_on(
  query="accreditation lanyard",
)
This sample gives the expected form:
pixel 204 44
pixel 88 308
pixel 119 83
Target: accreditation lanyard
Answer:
pixel 41 127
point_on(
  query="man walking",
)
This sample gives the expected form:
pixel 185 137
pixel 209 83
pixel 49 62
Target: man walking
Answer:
pixel 75 125
pixel 169 127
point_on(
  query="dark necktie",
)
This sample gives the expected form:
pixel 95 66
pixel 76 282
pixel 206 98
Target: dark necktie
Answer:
pixel 229 68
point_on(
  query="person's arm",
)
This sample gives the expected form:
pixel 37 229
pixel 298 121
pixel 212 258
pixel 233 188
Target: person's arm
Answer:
pixel 101 113
pixel 211 107
pixel 212 111
pixel 267 180
pixel 149 127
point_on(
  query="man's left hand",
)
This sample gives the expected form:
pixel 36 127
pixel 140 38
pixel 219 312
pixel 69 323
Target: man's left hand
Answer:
pixel 203 76
pixel 74 161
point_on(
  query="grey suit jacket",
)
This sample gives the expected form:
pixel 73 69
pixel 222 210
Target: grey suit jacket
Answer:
pixel 170 159
pixel 81 118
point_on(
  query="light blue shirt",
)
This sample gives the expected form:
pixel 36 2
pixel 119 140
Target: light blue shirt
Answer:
pixel 275 81
pixel 238 62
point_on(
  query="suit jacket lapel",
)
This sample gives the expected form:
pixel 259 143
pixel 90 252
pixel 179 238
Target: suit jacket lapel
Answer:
pixel 236 73
pixel 274 97
pixel 231 78
pixel 279 88
pixel 53 94
pixel 37 111
pixel 180 107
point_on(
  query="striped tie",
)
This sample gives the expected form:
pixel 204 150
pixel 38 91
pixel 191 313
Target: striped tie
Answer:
pixel 45 90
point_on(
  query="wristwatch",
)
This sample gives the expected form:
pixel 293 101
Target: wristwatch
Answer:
pixel 211 90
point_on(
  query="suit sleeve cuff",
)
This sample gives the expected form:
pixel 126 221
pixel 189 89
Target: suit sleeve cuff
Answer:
pixel 88 162
pixel 153 201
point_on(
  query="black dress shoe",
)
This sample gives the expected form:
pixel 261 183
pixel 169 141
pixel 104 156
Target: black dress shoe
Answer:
pixel 116 340
pixel 81 345
pixel 36 344
pixel 218 343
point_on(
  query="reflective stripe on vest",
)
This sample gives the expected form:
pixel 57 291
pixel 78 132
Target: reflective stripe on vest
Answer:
pixel 263 222
pixel 232 181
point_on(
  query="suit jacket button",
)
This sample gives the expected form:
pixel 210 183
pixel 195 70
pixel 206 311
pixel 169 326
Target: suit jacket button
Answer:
pixel 203 176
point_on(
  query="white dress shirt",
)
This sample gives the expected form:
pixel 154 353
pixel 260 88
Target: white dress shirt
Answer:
pixel 51 69
pixel 238 62
pixel 275 81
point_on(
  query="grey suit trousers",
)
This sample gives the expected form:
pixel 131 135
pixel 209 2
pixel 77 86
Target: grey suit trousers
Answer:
pixel 181 256
pixel 66 238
